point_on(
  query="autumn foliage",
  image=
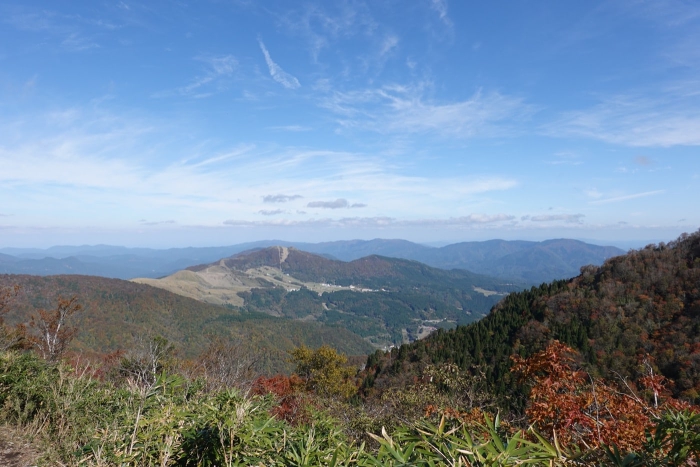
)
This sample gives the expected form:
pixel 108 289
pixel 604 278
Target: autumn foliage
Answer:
pixel 569 404
pixel 9 336
pixel 50 329
pixel 319 373
pixel 325 371
pixel 288 392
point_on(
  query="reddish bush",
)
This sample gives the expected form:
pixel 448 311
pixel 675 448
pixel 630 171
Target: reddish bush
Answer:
pixel 289 394
pixel 588 411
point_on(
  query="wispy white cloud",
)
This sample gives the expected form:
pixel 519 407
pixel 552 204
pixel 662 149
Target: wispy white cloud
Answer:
pixel 567 218
pixel 221 65
pixel 213 80
pixel 404 109
pixel 593 193
pixel 671 118
pixel 565 158
pixel 322 24
pixel 440 7
pixel 198 161
pixel 277 73
pixel 83 166
pixel 669 13
pixel 617 199
pixel 472 220
pixel 76 42
pixel 74 33
pixel 294 128
pixel 684 52
pixel 236 152
pixel 676 24
pixel 33 21
pixel 389 43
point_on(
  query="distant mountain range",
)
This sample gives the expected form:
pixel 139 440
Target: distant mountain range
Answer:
pixel 384 300
pixel 532 262
pixel 523 261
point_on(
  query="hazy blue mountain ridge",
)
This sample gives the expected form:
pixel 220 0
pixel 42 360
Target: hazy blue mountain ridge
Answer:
pixel 531 262
pixel 534 262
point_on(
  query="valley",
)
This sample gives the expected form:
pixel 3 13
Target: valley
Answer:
pixel 387 301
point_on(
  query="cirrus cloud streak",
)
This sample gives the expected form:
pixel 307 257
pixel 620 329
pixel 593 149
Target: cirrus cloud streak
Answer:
pixel 378 222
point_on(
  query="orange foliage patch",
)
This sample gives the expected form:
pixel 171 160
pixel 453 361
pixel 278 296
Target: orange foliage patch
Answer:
pixel 288 391
pixel 588 411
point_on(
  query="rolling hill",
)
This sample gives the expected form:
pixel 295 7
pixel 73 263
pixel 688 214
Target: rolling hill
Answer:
pixel 115 311
pixel 385 300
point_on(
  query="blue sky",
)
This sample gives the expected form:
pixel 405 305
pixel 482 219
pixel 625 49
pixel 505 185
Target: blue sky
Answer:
pixel 217 122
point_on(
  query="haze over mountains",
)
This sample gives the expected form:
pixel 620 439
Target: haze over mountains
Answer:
pixel 526 261
pixel 380 292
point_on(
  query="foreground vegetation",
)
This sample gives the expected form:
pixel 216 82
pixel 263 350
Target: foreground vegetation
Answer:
pixel 115 310
pixel 554 402
pixel 82 416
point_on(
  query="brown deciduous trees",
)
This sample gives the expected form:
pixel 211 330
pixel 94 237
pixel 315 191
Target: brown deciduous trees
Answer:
pixel 227 364
pixel 9 336
pixel 146 359
pixel 49 332
pixel 289 393
pixel 579 409
pixel 6 296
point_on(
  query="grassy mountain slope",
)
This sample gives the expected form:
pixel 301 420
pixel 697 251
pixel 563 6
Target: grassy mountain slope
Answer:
pixel 385 300
pixel 372 271
pixel 643 306
pixel 116 311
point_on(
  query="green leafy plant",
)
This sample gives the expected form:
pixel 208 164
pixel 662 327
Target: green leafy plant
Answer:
pixel 456 445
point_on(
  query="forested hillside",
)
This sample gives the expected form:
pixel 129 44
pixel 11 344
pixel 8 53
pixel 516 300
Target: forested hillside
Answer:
pixel 635 312
pixel 387 301
pixel 117 311
pixel 406 296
